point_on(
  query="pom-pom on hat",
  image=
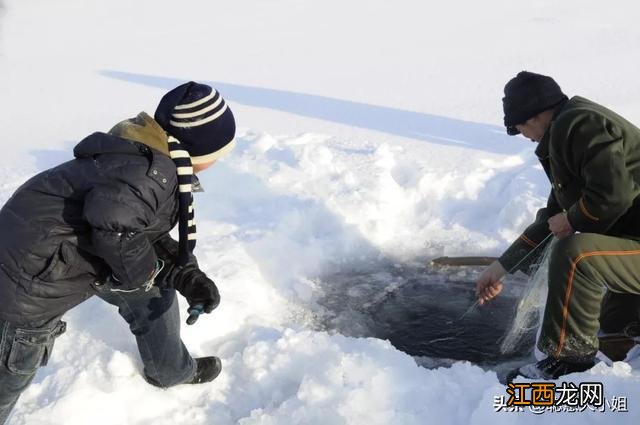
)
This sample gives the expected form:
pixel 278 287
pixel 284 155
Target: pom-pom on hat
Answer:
pixel 197 115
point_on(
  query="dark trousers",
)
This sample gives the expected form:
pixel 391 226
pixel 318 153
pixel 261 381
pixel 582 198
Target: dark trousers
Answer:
pixel 583 267
pixel 22 352
pixel 153 318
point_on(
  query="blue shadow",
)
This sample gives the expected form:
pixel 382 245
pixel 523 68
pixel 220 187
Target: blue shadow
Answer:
pixel 415 125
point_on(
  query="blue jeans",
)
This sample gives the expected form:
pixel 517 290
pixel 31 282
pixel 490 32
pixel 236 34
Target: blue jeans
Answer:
pixel 153 318
pixel 22 352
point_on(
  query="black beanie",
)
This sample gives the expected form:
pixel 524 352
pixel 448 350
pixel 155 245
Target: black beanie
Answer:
pixel 200 119
pixel 526 95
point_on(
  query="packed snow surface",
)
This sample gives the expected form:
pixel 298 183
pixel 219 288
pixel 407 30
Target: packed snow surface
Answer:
pixel 369 137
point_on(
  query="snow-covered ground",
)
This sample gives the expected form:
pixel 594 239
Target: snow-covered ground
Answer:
pixel 369 133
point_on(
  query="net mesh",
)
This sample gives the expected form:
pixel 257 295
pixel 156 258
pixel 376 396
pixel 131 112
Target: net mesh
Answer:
pixel 530 307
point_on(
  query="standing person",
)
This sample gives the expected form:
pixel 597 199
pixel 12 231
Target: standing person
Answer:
pixel 98 225
pixel 591 156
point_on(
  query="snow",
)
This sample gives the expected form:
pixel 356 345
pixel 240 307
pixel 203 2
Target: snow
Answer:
pixel 369 133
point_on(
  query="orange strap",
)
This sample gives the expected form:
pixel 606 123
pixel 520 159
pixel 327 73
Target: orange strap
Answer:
pixel 528 241
pixel 586 212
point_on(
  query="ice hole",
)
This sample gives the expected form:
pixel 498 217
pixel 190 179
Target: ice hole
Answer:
pixel 421 311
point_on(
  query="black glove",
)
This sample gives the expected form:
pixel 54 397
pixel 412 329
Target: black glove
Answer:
pixel 200 291
pixel 167 250
pixel 197 288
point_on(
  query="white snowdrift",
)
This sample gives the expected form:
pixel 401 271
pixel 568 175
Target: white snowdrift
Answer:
pixel 361 141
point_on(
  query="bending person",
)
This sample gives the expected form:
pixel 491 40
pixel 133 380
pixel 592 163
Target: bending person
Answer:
pixel 591 156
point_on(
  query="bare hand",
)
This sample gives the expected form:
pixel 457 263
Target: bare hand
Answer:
pixel 488 285
pixel 560 226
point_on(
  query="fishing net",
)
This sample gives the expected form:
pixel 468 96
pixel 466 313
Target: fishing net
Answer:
pixel 530 307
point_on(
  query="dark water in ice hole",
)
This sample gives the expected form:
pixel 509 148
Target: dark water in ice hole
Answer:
pixel 418 309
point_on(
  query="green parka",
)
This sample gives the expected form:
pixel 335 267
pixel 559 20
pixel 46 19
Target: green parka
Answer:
pixel 591 156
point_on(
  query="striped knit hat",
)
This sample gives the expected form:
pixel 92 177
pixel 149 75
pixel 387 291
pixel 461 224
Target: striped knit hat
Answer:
pixel 201 128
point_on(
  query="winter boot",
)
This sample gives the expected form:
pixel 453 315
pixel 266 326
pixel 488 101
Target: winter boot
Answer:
pixel 616 345
pixel 208 368
pixel 549 368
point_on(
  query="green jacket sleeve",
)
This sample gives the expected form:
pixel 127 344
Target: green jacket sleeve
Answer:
pixel 530 239
pixel 594 149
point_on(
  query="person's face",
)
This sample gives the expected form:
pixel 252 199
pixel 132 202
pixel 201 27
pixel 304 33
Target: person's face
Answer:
pixel 199 167
pixel 533 129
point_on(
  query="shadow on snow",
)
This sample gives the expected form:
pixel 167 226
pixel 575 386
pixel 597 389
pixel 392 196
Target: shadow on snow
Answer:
pixel 399 122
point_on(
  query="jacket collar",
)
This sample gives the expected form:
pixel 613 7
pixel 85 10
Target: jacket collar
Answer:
pixel 103 143
pixel 99 143
pixel 137 136
pixel 542 151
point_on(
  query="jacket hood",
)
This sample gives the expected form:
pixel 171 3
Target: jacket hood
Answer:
pixel 126 137
pixel 143 129
pixel 98 143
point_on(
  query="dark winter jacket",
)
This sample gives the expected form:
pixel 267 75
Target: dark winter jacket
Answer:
pixel 591 156
pixel 75 224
